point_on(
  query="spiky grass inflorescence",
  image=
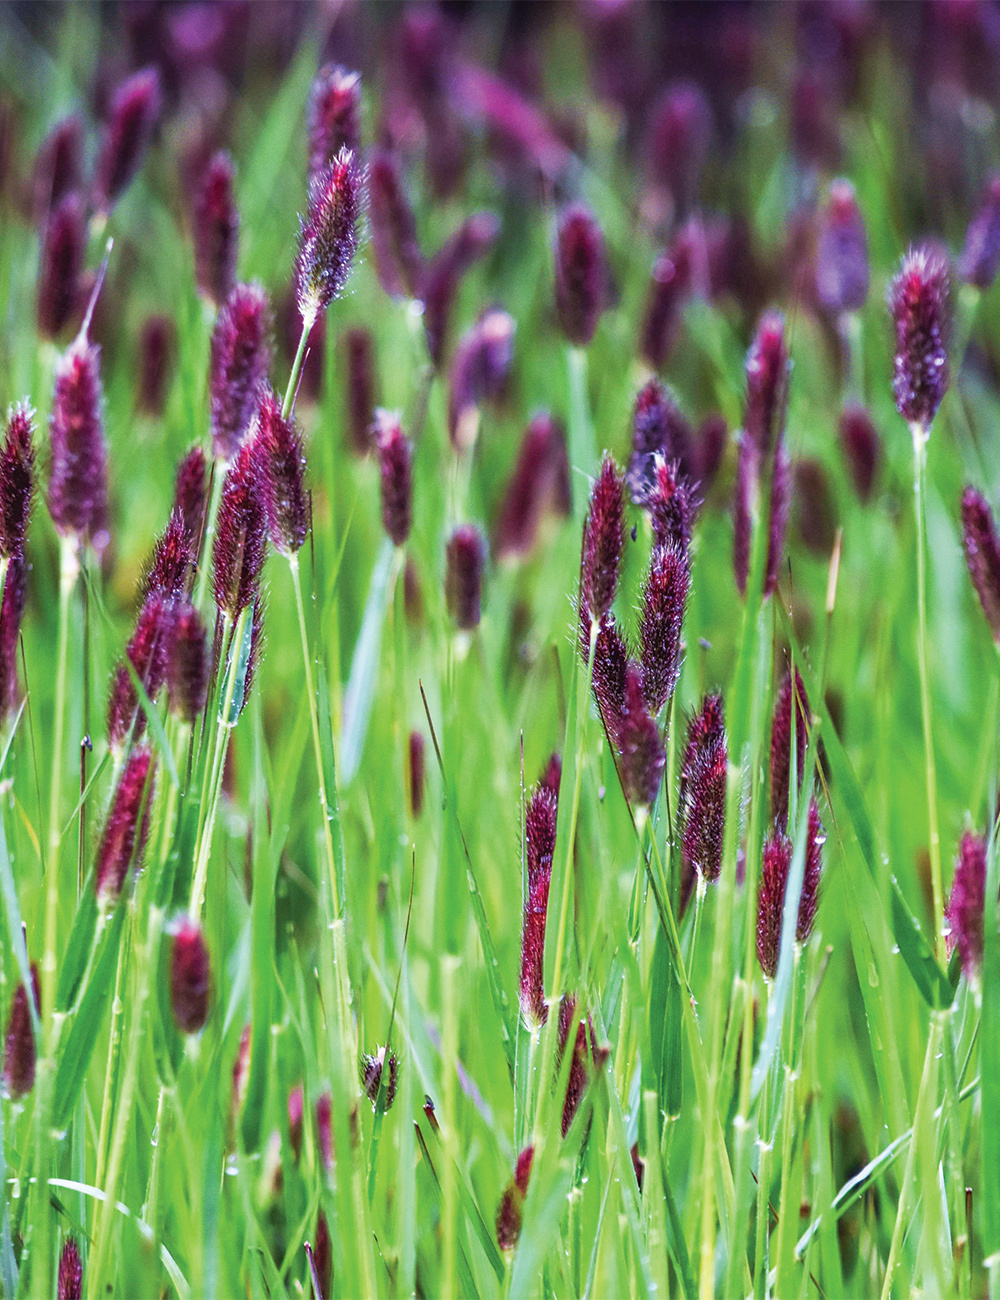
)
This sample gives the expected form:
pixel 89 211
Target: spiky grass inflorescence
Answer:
pixel 775 866
pixel 190 976
pixel 215 225
pixel 815 511
pixel 398 261
pixel 767 371
pixel 329 235
pixel 324 1127
pixel 465 559
pixel 861 446
pixel 658 428
pixel 842 273
pixel 581 274
pixel 241 534
pixel 333 116
pixel 124 839
pixel 967 903
pixel 322 1254
pixel 918 303
pixel 157 355
pixel 58 166
pixel 478 373
pixel 539 483
pixel 147 653
pixel 510 1211
pixel 641 751
pixel 282 469
pixel 980 258
pixel 416 772
pixel 701 802
pixel 395 454
pixel 669 288
pixel 63 249
pixel 188 662
pixel 603 542
pixel 539 846
pixel 664 597
pixel 190 490
pixel 240 1076
pixel 239 365
pixel 982 555
pixel 588 1057
pixel 781 743
pixel 611 658
pixel 372 1067
pixel 135 107
pixel 173 559
pixel 11 614
pixel 69 1283
pixel 359 388
pixel 443 275
pixel 671 501
pixel 680 128
pixel 20 1050
pixel 296 1119
pixel 17 479
pixel 78 481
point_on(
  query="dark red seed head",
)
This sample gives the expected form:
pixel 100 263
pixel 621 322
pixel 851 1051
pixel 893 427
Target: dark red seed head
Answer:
pixel 69 1285
pixel 241 533
pixel 78 482
pixel 671 501
pixel 982 555
pixel 173 560
pixel 359 388
pixel 747 468
pixel 322 1256
pixel 643 757
pixel 11 614
pixel 775 866
pixel 767 370
pixel 809 898
pixel 664 597
pixel 679 134
pixel 20 1051
pixel 781 743
pixel 980 258
pixel 416 773
pixel 539 483
pixel 510 1212
pixel 478 373
pixel 465 558
pixel 257 643
pixel 189 494
pixel 329 235
pixel 283 467
pixel 611 658
pixel 581 274
pixel 539 846
pixel 135 108
pixel 239 365
pixel 918 302
pixel 658 427
pixel 669 288
pixel 443 274
pixel 603 542
pixel 334 116
pixel 372 1068
pixel 395 453
pixel 58 164
pixel 586 1054
pixel 861 446
pixel 188 662
pixel 17 479
pixel 190 977
pixel 124 838
pixel 842 273
pixel 64 247
pixel 713 434
pixel 240 1075
pixel 815 512
pixel 324 1127
pixel 296 1116
pixel 157 353
pixel 552 775
pixel 398 262
pixel 777 518
pixel 147 652
pixel 967 903
pixel 215 223
pixel 702 794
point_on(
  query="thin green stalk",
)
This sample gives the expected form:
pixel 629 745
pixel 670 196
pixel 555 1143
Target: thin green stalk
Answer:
pixel 582 449
pixel 293 378
pixel 111 1069
pixel 205 558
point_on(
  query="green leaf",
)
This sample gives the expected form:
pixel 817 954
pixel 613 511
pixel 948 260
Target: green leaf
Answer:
pixel 78 949
pixel 364 666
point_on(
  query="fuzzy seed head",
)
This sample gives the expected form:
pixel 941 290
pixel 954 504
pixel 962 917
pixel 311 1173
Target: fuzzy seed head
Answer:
pixel 147 651
pixel 322 1254
pixel 581 274
pixel 398 262
pixel 135 108
pixel 767 369
pixel 980 258
pixel 842 273
pixel 17 479
pixel 611 659
pixel 189 494
pixel 539 846
pixel 747 470
pixel 511 1209
pixel 918 303
pixel 240 1075
pixel 967 903
pixel 324 1127
pixel 216 229
pixel 643 757
pixel 395 453
pixel 329 235
pixel 861 446
pixel 478 373
pixel 360 388
pixel 781 500
pixel 371 1076
pixel 982 555
pixel 671 501
pixel 603 541
pixel 296 1116
pixel 465 557
pixel 334 116
pixel 157 352
pixel 239 365
pixel 679 135
pixel 781 744
pixel 124 838
pixel 658 428
pixel 539 484
pixel 815 512
pixel 586 1054
pixel 172 562
pixel 188 662
pixel 775 866
pixel 20 1051
pixel 241 533
pixel 69 1285
pixel 664 598
pixel 78 482
pixel 190 977
pixel 64 247
pixel 58 164
pixel 444 272
pixel 416 773
pixel 702 795
pixel 669 288
pixel 283 462
pixel 11 614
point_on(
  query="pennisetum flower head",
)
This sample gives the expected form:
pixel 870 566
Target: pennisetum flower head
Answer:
pixel 643 757
pixel 789 695
pixel 69 1285
pixel 982 555
pixel 360 388
pixel 702 794
pixel 478 373
pixel 395 454
pixel 324 1127
pixel 157 352
pixel 334 116
pixel 64 247
pixel 669 288
pixel 747 469
pixel 239 364
pixel 775 866
pixel 124 839
pixel 322 1256
pixel 17 479
pixel 372 1068
pixel 511 1208
pixel 58 166
pixel 603 542
pixel 581 274
pixel 189 495
pixel 539 846
pixel 239 550
pixel 20 1050
pixel 465 558
pixel 443 274
pixel 172 562
pixel 767 370
pixel 11 614
pixel 918 303
pixel 135 108
pixel 329 235
pixel 416 772
pixel 842 273
pixel 980 258
pixel 658 429
pixel 967 903
pixel 861 446
pixel 611 658
pixel 777 518
pixel 147 652
pixel 679 133
pixel 664 598
pixel 282 464
pixel 296 1118
pixel 78 482
pixel 398 262
pixel 586 1053
pixel 671 501
pixel 190 977
pixel 188 663
pixel 539 482
pixel 216 228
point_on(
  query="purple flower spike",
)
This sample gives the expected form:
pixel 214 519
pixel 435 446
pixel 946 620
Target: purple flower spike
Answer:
pixel 11 614
pixel 173 559
pixel 240 360
pixel 283 474
pixel 187 662
pixel 189 494
pixel 603 542
pixel 658 428
pixel 862 448
pixel 395 453
pixel 124 838
pixel 918 302
pixel 775 867
pixel 216 228
pixel 416 748
pixel 241 534
pixel 671 502
pixel 372 1068
pixel 967 903
pixel 767 383
pixel 190 977
pixel 669 289
pixel 679 134
pixel 643 757
pixel 134 111
pixel 701 806
pixel 842 273
pixel 157 353
pixel 980 258
pixel 322 1254
pixel 465 558
pixel 471 241
pixel 539 843
pixel 20 1050
pixel 398 262
pixel 78 483
pixel 510 1212
pixel 982 555
pixel 147 652
pixel 360 388
pixel 781 744
pixel 664 598
pixel 581 274
pixel 586 1053
pixel 69 1285
pixel 809 898
pixel 63 249
pixel 58 165
pixel 17 479
pixel 539 483
pixel 611 659
pixel 329 235
pixel 296 1117
pixel 478 374
pixel 747 462
pixel 781 500
pixel 334 116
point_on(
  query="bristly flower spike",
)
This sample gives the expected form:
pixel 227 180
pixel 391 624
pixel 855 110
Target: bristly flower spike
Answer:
pixel 190 489
pixel 395 453
pixel 581 274
pixel 17 479
pixel 658 428
pixel 967 903
pixel 767 370
pixel 190 977
pixel 334 116
pixel 511 1208
pixel 372 1067
pixel 842 273
pixel 416 751
pixel 398 262
pixel 147 653
pixel 239 550
pixel 157 353
pixel 11 614
pixel 862 448
pixel 465 558
pixel 20 1049
pixel 283 466
pixel 611 659
pixel 69 1285
pixel 124 839
pixel 643 757
pixel 775 867
pixel 172 562
pixel 58 166
pixel 239 365
pixel 216 229
pixel 134 111
pixel 781 743
pixel 538 483
pixel 980 258
pixel 474 237
pixel 982 555
pixel 918 303
pixel 478 373
pixel 64 247
pixel 188 664
pixel 329 235
pixel 539 846
pixel 701 805
pixel 359 388
pixel 664 598
pixel 603 542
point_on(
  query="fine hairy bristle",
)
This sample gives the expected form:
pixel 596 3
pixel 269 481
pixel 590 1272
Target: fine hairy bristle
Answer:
pixel 478 373
pixel 918 304
pixel 333 116
pixel 982 555
pixel 188 662
pixel 282 463
pixel 603 541
pixel 664 597
pixel 172 562
pixel 611 658
pixel 398 262
pixel 135 108
pixel 215 222
pixel 190 489
pixel 20 1050
pixel 465 558
pixel 64 246
pixel 581 274
pixel 395 453
pixel 17 479
pixel 124 839
pixel 329 235
pixel 190 977
pixel 241 534
pixel 239 365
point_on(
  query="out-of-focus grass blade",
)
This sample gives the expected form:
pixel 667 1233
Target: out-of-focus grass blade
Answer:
pixel 330 777
pixel 15 932
pixel 240 669
pixel 665 1016
pixel 464 1271
pixel 87 790
pixel 8 1264
pixel 935 986
pixel 154 723
pixel 77 951
pixel 364 666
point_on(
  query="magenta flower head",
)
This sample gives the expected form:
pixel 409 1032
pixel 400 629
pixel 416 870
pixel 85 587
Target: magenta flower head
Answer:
pixel 172 562
pixel 20 1050
pixel 669 289
pixel 768 369
pixel 747 468
pixel 815 512
pixel 982 555
pixel 63 249
pixel 781 744
pixel 296 1117
pixel 282 463
pixel 124 839
pixel 147 652
pixel 775 866
pixel 586 1053
pixel 465 558
pixel 334 116
pixel 671 501
pixel 664 597
pixel 841 252
pixel 215 222
pixel 611 659
pixel 443 274
pixel 395 453
pixel 918 302
pixel 539 846
pixel 17 479
pixel 478 373
pixel 658 428
pixel 157 351
pixel 241 533
pixel 980 258
pixel 372 1068
pixel 11 614
pixel 643 757
pixel 967 903
pixel 69 1285
pixel 603 542
pixel 78 482
pixel 324 1127
pixel 777 518
pixel 329 235
pixel 360 388
pixel 701 807
pixel 190 977
pixel 239 364
pixel 539 483
pixel 398 263
pixel 322 1257
pixel 861 446
pixel 135 108
pixel 58 164
pixel 679 134
pixel 187 662
pixel 581 274
pixel 189 494
pixel 510 1211
pixel 416 753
